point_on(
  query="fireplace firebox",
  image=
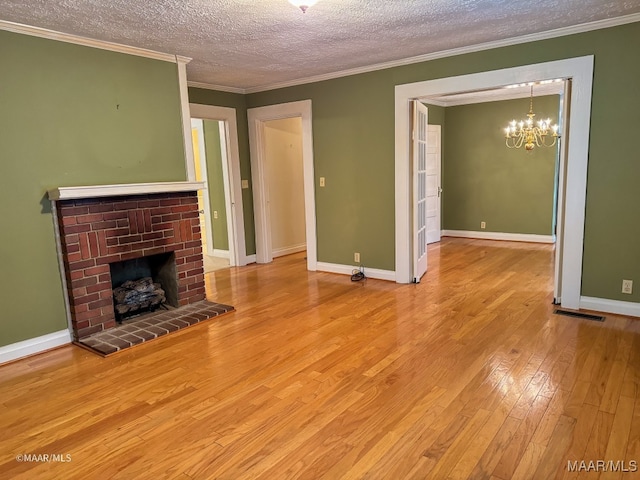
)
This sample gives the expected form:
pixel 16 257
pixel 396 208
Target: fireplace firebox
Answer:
pixel 154 235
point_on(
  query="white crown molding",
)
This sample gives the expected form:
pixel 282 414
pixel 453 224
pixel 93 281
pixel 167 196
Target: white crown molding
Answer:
pixel 509 237
pixel 558 32
pixel 618 307
pixel 32 346
pixel 91 191
pixel 348 270
pixel 219 88
pixel 90 42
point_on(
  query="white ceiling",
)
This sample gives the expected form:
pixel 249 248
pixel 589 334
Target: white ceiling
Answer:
pixel 256 44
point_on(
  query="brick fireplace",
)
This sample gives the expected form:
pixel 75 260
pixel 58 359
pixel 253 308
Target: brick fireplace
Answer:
pixel 101 228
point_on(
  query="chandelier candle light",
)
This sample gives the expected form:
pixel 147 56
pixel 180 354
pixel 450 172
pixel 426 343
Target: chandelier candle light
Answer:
pixel 526 133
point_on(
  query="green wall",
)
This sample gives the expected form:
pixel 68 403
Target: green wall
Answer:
pixel 353 128
pixel 510 189
pixel 238 102
pixel 71 115
pixel 215 181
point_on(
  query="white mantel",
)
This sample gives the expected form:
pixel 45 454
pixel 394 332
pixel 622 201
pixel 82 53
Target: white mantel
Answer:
pixel 93 191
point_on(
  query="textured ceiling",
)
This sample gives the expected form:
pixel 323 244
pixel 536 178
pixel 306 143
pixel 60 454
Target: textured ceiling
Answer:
pixel 256 43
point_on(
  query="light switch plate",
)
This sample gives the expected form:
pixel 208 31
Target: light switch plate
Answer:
pixel 245 183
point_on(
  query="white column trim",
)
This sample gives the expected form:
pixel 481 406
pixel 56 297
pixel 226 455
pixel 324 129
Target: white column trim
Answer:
pixel 186 121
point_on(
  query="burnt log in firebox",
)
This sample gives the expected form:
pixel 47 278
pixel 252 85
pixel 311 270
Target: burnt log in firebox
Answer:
pixel 137 296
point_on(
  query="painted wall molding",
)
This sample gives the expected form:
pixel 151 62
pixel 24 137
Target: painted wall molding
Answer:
pixel 610 306
pixel 90 42
pixel 348 270
pixel 511 237
pixel 92 191
pixel 220 253
pixel 35 345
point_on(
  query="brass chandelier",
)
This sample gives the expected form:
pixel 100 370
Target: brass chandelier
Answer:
pixel 526 133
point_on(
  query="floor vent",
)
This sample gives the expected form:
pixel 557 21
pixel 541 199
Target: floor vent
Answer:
pixel 585 316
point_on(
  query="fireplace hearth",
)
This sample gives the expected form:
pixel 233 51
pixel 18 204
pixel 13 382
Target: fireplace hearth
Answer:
pixel 108 239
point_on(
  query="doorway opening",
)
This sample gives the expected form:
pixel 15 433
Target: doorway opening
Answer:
pixel 217 163
pixel 285 184
pixel 280 140
pixel 574 156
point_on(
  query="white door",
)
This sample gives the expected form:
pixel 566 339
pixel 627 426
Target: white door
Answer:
pixel 419 169
pixel 433 183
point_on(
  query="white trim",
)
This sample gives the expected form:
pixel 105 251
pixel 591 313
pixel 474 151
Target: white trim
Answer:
pixel 234 204
pixel 618 307
pixel 185 117
pixel 226 188
pixel 580 70
pixel 35 345
pixel 220 253
pixel 281 252
pixel 91 191
pixel 348 270
pixel 558 32
pixel 257 117
pixel 509 237
pixel 89 42
pixel 219 88
pixel 251 259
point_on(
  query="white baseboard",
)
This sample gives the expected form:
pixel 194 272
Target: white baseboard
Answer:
pixel 34 345
pixel 610 306
pixel 281 252
pixel 220 253
pixel 511 237
pixel 348 270
pixel 250 259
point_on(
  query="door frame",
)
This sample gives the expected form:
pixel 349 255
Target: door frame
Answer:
pixel 580 70
pixel 202 158
pixel 235 221
pixel 257 118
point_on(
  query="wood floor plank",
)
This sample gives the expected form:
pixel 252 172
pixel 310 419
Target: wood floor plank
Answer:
pixel 468 374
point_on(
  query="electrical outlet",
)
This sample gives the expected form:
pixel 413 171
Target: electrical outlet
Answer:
pixel 483 225
pixel 356 257
pixel 627 286
pixel 215 214
pixel 245 183
pixel 322 181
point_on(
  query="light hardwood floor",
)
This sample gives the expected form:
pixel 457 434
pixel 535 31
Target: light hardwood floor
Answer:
pixel 466 375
